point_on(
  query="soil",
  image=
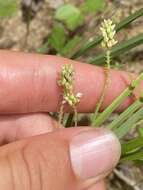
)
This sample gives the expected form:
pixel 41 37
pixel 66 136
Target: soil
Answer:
pixel 17 34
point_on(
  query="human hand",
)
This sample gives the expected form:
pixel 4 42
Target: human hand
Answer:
pixel 41 155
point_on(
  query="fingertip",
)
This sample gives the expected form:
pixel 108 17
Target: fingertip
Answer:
pixel 94 153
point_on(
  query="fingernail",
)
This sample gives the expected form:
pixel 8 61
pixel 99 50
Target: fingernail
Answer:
pixel 94 152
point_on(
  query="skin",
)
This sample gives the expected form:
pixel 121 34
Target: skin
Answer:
pixel 28 90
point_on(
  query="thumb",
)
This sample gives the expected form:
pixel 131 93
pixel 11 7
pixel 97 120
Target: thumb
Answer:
pixel 72 158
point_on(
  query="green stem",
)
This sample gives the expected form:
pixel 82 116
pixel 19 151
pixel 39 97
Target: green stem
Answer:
pixel 108 60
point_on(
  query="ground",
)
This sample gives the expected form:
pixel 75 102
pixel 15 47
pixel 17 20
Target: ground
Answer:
pixel 16 34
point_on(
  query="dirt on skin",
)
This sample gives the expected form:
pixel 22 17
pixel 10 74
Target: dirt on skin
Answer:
pixel 16 34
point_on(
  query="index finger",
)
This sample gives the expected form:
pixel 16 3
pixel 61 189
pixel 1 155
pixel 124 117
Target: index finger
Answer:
pixel 28 83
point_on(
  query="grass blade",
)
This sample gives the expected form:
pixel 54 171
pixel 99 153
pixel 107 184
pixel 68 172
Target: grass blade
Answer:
pixel 107 112
pixel 126 114
pixel 129 124
pixel 119 26
pixel 129 19
pixel 133 157
pixel 119 49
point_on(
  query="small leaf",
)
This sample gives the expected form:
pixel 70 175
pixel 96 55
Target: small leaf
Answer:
pixel 8 7
pixel 93 6
pixel 70 15
pixel 71 46
pixel 57 38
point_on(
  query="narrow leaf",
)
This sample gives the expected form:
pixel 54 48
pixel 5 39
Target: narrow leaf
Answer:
pixel 133 157
pixel 107 112
pixel 126 114
pixel 129 124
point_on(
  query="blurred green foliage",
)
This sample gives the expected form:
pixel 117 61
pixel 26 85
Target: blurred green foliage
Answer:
pixel 8 7
pixel 60 42
pixel 57 37
pixel 68 19
pixel 71 46
pixel 92 6
pixel 69 15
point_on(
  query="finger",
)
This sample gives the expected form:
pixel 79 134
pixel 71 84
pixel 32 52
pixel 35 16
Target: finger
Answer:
pixel 29 83
pixel 16 127
pixel 98 186
pixel 76 158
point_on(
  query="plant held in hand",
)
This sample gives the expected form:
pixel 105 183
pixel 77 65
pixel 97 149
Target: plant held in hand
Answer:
pixel 132 116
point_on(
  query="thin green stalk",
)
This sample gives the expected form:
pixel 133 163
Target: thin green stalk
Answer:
pixel 96 113
pixel 108 59
pixel 125 115
pixel 99 104
pixel 91 44
pixel 107 112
